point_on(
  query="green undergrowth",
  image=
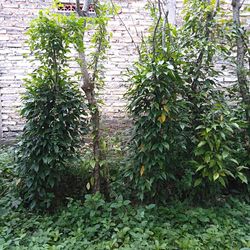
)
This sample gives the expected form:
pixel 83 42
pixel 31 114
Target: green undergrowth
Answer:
pixel 93 223
pixel 96 224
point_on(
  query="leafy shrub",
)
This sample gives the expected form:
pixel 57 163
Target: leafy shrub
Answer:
pixel 177 104
pixel 159 120
pixel 55 111
pixel 216 160
pixel 215 125
pixel 96 224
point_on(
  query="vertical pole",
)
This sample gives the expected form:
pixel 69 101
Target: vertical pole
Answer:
pixel 171 6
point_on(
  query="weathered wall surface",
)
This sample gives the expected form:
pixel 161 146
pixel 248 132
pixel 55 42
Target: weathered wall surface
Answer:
pixel 14 19
pixel 15 16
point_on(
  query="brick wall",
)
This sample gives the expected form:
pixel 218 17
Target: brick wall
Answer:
pixel 15 16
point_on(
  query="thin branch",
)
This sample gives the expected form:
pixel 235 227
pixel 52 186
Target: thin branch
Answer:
pixel 201 54
pixel 156 28
pixel 166 25
pixel 240 64
pixel 80 12
pixel 132 40
pixel 143 42
pixel 87 85
pixel 136 30
pixel 242 3
pixel 165 20
pixel 97 57
pixel 163 9
pixel 78 9
pixel 164 30
pixel 89 88
pixel 217 5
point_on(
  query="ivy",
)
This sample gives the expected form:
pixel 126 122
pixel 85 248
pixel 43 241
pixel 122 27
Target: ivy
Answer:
pixel 159 114
pixel 55 113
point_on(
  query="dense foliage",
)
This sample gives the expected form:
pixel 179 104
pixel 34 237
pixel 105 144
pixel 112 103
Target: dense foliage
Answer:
pixel 93 223
pixel 184 125
pixel 55 111
pixel 159 116
pixel 180 182
pixel 97 224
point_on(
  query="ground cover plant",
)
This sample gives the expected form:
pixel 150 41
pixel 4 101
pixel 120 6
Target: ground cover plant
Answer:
pixel 93 223
pixel 117 225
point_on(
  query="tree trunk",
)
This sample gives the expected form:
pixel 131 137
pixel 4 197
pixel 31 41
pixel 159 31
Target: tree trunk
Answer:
pixel 241 51
pixel 241 70
pixel 88 87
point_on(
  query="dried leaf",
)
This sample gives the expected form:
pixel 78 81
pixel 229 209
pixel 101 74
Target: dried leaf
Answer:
pixel 162 118
pixel 142 170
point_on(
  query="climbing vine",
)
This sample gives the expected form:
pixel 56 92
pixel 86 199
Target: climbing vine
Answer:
pixel 183 130
pixel 55 113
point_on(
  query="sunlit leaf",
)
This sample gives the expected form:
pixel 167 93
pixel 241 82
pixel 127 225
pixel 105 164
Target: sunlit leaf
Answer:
pixel 216 176
pixel 88 186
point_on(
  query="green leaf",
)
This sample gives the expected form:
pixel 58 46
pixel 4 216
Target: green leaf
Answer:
pixel 199 127
pixel 197 182
pixel 225 154
pixel 202 143
pixel 216 176
pixel 92 163
pixel 235 125
pixel 166 145
pixel 88 186
pixel 234 160
pixel 149 75
pixel 200 167
pixel 223 135
pixel 243 178
pixel 208 130
pixel 182 126
pixel 36 167
pixel 222 182
pixel 207 158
